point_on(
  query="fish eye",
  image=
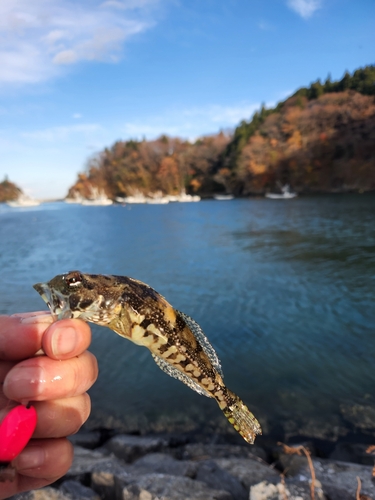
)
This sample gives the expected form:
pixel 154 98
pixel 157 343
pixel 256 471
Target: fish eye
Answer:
pixel 74 279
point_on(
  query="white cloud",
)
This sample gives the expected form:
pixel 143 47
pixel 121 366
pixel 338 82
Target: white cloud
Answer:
pixel 39 37
pixel 305 8
pixel 62 133
pixel 228 115
pixel 190 123
pixel 262 25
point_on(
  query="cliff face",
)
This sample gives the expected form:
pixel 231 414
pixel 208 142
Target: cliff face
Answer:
pixel 8 191
pixel 322 139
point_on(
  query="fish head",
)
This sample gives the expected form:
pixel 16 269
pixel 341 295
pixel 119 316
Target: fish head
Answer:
pixel 78 295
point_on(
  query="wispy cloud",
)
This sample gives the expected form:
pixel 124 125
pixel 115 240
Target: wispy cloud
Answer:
pixel 191 123
pixel 305 8
pixel 62 133
pixel 228 115
pixel 262 25
pixel 38 38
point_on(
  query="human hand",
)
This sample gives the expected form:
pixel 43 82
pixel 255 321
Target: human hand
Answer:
pixel 56 383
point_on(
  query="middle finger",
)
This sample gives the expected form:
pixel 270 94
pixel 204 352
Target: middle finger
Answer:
pixel 42 378
pixel 61 417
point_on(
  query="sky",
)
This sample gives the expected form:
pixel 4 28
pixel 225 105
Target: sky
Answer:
pixel 78 75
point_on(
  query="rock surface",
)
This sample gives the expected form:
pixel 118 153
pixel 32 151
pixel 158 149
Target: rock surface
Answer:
pixel 127 467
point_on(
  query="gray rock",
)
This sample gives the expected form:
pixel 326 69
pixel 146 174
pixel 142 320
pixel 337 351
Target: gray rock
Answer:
pixel 338 479
pixel 166 487
pixel 330 428
pixel 200 451
pixel 215 477
pixel 130 448
pixel 248 471
pixel 85 461
pixel 361 416
pixel 352 452
pixel 103 476
pixel 86 439
pixel 76 491
pixel 291 489
pixel 47 493
pixel 164 464
pixel 103 482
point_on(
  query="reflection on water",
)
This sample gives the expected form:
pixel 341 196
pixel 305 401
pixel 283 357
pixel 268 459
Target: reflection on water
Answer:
pixel 283 289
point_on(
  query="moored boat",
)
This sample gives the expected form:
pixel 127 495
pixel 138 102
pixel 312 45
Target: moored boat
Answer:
pixel 223 197
pixel 286 194
pixel 23 201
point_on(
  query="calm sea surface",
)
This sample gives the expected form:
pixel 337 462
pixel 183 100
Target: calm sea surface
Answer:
pixel 283 289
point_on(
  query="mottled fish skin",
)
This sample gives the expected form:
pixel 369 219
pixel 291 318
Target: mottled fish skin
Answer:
pixel 137 312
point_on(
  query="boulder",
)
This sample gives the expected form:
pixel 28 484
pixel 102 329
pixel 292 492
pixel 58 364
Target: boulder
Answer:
pixel 76 491
pixel 47 493
pixel 86 439
pixel 248 471
pixel 201 451
pixel 164 464
pixel 338 479
pixel 217 478
pixel 129 448
pixel 352 452
pixel 167 487
pixel 291 489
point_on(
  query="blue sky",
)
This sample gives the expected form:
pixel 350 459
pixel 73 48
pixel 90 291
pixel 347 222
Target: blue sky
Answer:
pixel 77 75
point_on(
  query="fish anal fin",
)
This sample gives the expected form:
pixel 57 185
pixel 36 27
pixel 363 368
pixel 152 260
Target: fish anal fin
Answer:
pixel 174 372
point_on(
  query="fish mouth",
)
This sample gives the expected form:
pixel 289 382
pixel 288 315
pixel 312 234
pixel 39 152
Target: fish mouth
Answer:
pixel 57 303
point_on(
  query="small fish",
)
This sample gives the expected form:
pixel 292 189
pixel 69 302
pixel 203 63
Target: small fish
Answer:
pixel 137 312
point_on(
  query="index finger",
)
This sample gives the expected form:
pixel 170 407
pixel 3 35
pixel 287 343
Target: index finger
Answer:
pixel 21 334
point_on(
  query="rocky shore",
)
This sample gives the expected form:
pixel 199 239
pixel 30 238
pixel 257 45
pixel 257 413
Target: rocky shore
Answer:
pixel 185 467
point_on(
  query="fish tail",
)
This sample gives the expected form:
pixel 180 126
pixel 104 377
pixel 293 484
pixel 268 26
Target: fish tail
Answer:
pixel 241 418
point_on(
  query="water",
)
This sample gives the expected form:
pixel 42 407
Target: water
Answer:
pixel 283 289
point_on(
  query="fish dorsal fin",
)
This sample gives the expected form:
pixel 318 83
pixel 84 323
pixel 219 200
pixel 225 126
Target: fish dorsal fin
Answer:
pixel 203 341
pixel 182 377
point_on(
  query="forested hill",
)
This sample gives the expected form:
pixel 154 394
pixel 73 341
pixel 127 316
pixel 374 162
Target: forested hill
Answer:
pixel 8 191
pixel 321 139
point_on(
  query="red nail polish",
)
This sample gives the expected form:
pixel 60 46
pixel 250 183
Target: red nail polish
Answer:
pixel 16 430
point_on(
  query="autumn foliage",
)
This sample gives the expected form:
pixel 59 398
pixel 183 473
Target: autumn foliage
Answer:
pixel 8 191
pixel 321 139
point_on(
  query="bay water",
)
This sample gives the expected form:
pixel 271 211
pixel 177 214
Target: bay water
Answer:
pixel 284 290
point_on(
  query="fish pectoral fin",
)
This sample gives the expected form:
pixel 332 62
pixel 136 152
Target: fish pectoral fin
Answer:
pixel 174 372
pixel 203 341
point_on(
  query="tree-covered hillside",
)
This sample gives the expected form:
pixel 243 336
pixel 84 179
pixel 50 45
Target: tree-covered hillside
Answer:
pixel 322 138
pixel 8 191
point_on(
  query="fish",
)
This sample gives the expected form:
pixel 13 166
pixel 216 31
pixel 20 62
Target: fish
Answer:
pixel 139 313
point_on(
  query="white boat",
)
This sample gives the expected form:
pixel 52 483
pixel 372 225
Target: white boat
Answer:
pixel 223 197
pixel 157 201
pixel 286 194
pixel 186 198
pixel 172 197
pixel 157 198
pixel 135 199
pixel 97 203
pixel 97 198
pixel 23 201
pixel 76 198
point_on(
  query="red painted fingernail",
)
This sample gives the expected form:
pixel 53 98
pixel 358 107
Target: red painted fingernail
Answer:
pixel 16 430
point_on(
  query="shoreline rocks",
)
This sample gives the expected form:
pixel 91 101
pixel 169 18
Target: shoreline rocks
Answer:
pixel 180 467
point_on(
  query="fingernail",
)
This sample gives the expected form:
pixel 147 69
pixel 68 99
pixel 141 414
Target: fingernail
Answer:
pixel 27 314
pixel 30 458
pixel 64 340
pixel 41 318
pixel 24 383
